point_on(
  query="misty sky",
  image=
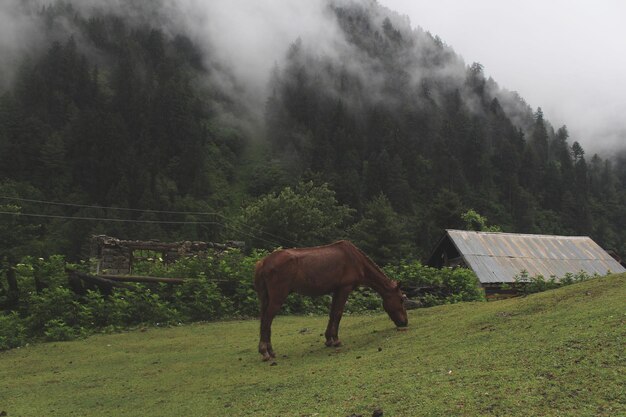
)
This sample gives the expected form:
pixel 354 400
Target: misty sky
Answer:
pixel 568 57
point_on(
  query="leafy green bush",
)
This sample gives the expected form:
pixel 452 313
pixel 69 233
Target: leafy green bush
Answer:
pixel 217 285
pixel 363 299
pixel 94 310
pixel 529 285
pixel 58 303
pixel 236 273
pixel 12 331
pixel 186 267
pixel 141 305
pixel 299 304
pixel 58 330
pixel 437 286
pixel 199 299
pixel 35 274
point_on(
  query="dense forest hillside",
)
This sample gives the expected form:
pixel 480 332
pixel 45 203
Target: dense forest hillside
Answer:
pixel 128 127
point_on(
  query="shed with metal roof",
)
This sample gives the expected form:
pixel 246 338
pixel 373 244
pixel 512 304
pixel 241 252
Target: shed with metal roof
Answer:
pixel 497 258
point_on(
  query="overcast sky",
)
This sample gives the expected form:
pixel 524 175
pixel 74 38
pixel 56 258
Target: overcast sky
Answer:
pixel 566 56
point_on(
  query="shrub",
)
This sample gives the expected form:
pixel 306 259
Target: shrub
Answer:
pixel 236 273
pixel 461 284
pixel 231 273
pixel 217 285
pixel 437 286
pixel 58 330
pixel 363 299
pixel 35 274
pixel 538 283
pixel 299 304
pixel 50 272
pixel 95 311
pixel 199 299
pixel 141 305
pixel 58 303
pixel 12 331
pixel 185 267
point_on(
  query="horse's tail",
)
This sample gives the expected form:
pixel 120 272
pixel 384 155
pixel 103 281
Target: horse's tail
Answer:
pixel 260 285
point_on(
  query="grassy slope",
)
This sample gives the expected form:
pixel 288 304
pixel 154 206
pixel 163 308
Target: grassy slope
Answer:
pixel 557 353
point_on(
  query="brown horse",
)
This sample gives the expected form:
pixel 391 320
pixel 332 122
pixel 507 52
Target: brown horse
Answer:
pixel 335 269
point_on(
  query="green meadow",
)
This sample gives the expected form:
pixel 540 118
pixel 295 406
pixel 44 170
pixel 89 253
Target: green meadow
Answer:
pixel 557 353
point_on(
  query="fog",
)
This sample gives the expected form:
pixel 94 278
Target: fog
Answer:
pixel 18 32
pixel 566 57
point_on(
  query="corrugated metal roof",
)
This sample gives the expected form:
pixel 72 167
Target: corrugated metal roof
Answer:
pixel 499 257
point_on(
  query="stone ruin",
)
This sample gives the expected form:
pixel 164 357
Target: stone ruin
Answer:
pixel 116 256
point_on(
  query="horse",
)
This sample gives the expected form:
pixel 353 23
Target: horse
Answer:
pixel 335 269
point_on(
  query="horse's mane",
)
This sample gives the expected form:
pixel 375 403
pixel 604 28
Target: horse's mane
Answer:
pixel 369 261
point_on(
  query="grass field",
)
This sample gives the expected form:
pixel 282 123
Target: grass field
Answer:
pixel 558 353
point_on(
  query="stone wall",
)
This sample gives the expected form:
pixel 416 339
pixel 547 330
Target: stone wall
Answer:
pixel 115 256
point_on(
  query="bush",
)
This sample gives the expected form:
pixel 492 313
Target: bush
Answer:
pixel 228 275
pixel 57 303
pixel 363 299
pixel 58 330
pixel 217 285
pixel 140 305
pixel 12 331
pixel 35 274
pixel 236 273
pixel 199 299
pixel 461 284
pixel 529 285
pixel 437 286
pixel 95 311
pixel 299 304
pixel 186 267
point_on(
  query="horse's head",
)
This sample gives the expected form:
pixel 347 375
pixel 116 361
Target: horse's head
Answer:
pixel 393 303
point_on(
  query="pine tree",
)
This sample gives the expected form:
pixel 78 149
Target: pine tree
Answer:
pixel 381 233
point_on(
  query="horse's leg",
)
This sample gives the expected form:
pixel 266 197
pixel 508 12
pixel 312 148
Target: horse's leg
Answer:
pixel 263 344
pixel 275 302
pixel 336 311
pixel 262 292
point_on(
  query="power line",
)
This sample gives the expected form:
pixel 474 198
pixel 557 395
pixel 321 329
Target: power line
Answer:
pixel 30 200
pixel 106 219
pixel 52 216
pixel 240 224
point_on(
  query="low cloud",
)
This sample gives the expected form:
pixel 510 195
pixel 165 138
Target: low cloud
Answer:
pixel 243 41
pixel 20 32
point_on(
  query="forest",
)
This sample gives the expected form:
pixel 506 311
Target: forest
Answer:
pixel 114 125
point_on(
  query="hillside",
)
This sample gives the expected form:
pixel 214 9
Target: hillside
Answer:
pixel 395 111
pixel 556 353
pixel 125 119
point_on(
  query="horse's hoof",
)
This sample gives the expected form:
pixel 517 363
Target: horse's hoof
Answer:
pixel 333 343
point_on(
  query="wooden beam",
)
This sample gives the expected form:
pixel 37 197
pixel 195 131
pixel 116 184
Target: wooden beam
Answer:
pixel 76 280
pixel 145 279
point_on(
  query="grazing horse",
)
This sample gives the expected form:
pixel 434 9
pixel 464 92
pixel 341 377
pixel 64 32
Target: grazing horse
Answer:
pixel 335 269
